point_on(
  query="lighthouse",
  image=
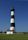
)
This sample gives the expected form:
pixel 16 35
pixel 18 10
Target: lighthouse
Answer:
pixel 12 21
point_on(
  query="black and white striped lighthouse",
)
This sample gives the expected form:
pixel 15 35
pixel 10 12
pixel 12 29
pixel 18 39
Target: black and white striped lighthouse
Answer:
pixel 12 21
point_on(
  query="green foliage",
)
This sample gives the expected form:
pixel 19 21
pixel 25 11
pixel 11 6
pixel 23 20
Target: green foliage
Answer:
pixel 14 37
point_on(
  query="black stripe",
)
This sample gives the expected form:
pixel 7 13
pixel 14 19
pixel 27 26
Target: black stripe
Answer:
pixel 13 24
pixel 12 16
pixel 12 9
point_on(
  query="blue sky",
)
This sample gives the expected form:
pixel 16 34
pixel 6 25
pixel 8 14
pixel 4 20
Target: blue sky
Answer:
pixel 21 14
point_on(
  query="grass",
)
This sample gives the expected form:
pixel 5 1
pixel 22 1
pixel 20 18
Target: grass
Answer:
pixel 14 37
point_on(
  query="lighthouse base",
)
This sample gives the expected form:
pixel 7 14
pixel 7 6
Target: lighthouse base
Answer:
pixel 9 32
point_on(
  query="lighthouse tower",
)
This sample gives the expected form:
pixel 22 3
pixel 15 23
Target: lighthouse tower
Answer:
pixel 12 21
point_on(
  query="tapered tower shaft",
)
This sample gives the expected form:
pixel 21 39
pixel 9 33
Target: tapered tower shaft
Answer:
pixel 12 21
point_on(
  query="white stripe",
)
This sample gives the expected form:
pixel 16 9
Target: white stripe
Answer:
pixel 12 20
pixel 12 13
pixel 11 28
